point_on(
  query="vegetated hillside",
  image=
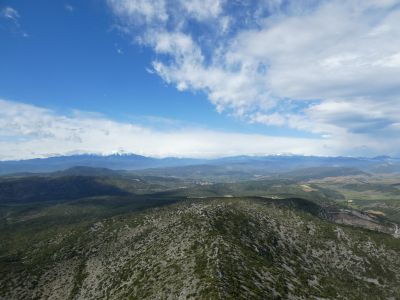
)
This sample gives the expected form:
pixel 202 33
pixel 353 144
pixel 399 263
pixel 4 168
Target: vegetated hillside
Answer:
pixel 321 172
pixel 223 248
pixel 276 188
pixel 206 172
pixel 39 189
pixel 240 172
pixel 378 194
pixel 88 171
pixel 81 182
pixel 284 163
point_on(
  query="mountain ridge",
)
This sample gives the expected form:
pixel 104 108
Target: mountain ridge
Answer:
pixel 275 163
pixel 218 248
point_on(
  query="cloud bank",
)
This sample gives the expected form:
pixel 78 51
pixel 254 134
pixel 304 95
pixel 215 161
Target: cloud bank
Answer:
pixel 331 68
pixel 28 131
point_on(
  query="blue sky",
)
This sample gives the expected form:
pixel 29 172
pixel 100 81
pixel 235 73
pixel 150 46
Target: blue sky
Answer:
pixel 75 59
pixel 70 60
pixel 199 78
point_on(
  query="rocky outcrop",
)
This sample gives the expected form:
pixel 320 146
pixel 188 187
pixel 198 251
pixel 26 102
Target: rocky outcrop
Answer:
pixel 226 248
pixel 363 220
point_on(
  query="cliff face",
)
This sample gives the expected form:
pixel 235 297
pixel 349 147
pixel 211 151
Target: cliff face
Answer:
pixel 224 248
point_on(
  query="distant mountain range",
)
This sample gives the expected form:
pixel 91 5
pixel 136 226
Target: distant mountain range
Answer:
pixel 273 164
pixel 114 162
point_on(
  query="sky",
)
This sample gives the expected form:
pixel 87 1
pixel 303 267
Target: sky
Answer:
pixel 199 78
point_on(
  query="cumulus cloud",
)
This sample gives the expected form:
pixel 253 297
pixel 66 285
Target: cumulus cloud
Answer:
pixel 326 67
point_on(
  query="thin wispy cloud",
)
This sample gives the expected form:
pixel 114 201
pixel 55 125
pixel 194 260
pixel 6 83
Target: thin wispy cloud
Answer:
pixel 69 8
pixel 12 16
pixel 10 13
pixel 118 49
pixel 327 67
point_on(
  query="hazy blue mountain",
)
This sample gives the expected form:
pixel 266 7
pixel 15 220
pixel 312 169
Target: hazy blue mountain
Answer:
pixel 115 162
pixel 266 164
pixel 291 162
pixel 41 189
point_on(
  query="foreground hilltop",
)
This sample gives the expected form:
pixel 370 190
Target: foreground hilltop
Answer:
pixel 219 248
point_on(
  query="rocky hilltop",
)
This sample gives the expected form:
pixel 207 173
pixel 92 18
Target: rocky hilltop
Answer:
pixel 221 248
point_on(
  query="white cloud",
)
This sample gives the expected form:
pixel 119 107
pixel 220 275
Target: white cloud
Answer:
pixel 336 51
pixel 326 67
pixel 13 17
pixel 203 9
pixel 10 13
pixel 141 11
pixel 28 131
pixel 69 7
